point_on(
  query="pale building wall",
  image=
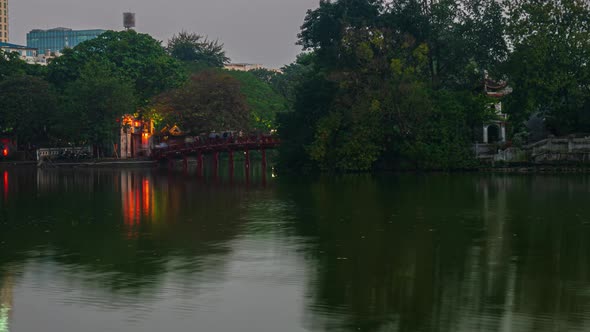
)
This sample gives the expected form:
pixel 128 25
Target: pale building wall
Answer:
pixel 243 66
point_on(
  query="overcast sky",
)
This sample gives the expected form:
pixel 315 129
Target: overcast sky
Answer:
pixel 254 31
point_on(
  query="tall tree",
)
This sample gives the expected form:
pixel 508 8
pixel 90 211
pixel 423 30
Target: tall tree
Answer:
pixel 135 56
pixel 192 47
pixel 263 101
pixel 285 81
pixel 548 68
pixel 28 107
pixel 384 69
pixel 464 37
pixel 93 103
pixel 210 101
pixel 11 64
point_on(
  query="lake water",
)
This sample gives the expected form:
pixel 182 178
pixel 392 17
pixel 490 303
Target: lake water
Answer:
pixel 146 250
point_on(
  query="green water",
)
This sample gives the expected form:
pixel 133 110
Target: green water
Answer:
pixel 146 250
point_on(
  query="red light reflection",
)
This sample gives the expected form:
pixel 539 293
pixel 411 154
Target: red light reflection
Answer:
pixel 5 184
pixel 137 199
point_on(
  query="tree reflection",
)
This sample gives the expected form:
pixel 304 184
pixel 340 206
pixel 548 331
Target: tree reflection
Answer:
pixel 388 253
pixel 446 253
pixel 121 231
pixel 6 301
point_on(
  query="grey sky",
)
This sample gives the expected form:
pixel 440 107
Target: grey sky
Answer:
pixel 254 31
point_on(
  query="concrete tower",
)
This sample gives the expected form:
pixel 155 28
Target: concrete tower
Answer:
pixel 4 21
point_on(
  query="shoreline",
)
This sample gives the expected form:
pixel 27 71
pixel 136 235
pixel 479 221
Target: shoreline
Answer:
pixel 538 169
pixel 146 163
pixel 86 164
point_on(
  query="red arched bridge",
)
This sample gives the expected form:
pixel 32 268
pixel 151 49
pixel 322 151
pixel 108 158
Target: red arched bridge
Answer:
pixel 214 146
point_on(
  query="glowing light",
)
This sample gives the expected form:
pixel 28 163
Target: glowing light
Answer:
pixel 146 197
pixel 137 202
pixel 137 123
pixel 5 184
pixel 5 152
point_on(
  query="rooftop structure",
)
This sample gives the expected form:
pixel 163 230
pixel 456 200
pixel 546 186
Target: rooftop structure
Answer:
pixel 22 50
pixel 243 66
pixel 28 54
pixel 56 40
pixel 129 20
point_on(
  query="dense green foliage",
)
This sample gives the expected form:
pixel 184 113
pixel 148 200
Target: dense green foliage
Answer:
pixel 79 97
pixel 381 84
pixel 210 101
pixel 12 65
pixel 197 50
pixel 26 100
pixel 264 102
pixel 285 81
pixel 92 104
pixel 27 103
pixel 393 84
pixel 199 55
pixel 549 65
pixel 398 84
pixel 135 56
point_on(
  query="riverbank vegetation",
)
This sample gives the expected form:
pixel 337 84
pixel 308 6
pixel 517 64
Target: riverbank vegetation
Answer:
pixel 80 97
pixel 380 84
pixel 399 84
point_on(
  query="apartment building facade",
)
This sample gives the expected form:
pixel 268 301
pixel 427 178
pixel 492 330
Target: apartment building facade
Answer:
pixel 4 21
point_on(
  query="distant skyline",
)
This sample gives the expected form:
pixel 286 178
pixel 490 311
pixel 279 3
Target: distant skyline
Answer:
pixel 253 31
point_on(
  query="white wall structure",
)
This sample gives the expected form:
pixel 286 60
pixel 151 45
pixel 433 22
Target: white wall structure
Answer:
pixel 496 90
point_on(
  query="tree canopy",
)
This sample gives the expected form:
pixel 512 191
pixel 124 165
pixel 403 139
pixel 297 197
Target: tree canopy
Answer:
pixel 210 101
pixel 12 65
pixel 548 68
pixel 393 83
pixel 263 101
pixel 27 103
pixel 92 104
pixel 380 84
pixel 138 57
pixel 196 49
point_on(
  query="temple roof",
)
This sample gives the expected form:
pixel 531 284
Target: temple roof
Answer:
pixel 496 89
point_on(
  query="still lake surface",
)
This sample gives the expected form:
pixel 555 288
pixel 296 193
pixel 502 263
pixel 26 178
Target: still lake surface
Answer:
pixel 145 250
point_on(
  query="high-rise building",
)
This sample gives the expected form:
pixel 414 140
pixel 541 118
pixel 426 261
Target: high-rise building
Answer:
pixel 4 21
pixel 55 40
